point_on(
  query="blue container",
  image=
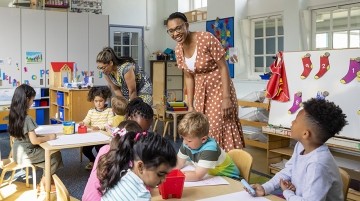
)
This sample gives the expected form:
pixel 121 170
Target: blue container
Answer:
pixel 36 103
pixel 61 114
pixel 40 116
pixel 60 98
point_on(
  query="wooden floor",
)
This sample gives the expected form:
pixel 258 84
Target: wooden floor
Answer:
pixel 17 191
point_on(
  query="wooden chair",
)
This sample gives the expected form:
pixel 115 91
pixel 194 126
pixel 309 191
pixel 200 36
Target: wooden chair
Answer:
pixel 243 160
pixel 161 116
pixel 9 164
pixel 62 194
pixel 345 177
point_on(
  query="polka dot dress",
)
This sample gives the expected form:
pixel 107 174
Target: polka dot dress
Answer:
pixel 208 91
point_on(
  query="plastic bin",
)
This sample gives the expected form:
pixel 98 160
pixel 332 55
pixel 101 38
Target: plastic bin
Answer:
pixel 173 185
pixel 257 115
pixel 36 103
pixel 61 114
pixel 60 98
pixel 255 96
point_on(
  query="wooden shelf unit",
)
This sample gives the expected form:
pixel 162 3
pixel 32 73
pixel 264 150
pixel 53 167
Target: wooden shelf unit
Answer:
pixel 244 122
pixel 75 105
pixel 167 80
pixel 278 149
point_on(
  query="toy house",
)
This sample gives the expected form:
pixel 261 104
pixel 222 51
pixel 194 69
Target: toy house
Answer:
pixel 60 72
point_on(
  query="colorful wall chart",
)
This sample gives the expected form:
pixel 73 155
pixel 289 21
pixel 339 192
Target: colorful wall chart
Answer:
pixel 223 29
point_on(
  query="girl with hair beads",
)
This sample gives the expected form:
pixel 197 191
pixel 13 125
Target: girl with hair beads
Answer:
pixel 26 147
pixel 91 193
pixel 97 118
pixel 139 161
pixel 140 112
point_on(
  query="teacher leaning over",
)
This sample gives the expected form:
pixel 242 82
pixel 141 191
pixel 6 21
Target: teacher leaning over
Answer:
pixel 123 76
pixel 207 80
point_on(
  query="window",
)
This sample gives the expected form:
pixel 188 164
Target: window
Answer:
pixel 267 39
pixel 336 27
pixel 190 5
pixel 127 41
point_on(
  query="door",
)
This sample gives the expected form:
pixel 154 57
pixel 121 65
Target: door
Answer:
pixel 128 41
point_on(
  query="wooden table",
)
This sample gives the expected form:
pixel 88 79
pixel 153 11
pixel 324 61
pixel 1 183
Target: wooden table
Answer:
pixel 175 114
pixel 202 192
pixel 49 149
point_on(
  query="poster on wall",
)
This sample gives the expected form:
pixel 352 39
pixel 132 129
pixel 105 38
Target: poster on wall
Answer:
pixel 33 57
pixel 223 30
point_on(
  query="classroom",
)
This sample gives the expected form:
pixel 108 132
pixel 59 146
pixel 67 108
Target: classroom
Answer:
pixel 278 57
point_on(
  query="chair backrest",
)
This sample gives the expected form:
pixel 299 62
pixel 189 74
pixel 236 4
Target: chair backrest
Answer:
pixel 345 177
pixel 160 111
pixel 62 194
pixel 243 160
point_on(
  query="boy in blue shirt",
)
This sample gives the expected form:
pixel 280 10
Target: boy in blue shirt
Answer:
pixel 202 150
pixel 311 173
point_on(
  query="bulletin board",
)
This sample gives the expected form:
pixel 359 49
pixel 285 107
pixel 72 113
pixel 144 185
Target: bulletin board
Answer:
pixel 223 30
pixel 341 79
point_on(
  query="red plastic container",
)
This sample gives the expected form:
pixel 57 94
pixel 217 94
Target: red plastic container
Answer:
pixel 173 185
pixel 82 129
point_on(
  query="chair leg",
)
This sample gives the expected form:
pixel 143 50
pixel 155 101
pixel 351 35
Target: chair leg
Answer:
pixel 34 177
pixel 27 176
pixel 12 177
pixel 165 128
pixel 155 125
pixel 2 176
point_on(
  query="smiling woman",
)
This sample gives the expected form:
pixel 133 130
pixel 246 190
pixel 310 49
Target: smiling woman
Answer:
pixel 123 76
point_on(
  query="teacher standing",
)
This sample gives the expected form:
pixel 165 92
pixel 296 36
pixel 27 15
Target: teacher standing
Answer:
pixel 208 84
pixel 123 76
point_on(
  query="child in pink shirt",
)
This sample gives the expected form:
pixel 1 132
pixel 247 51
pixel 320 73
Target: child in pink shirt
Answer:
pixel 139 117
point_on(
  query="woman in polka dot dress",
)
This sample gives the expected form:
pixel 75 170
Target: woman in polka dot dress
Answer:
pixel 208 84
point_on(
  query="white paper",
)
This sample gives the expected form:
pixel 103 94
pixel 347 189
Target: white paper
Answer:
pixel 49 129
pixel 210 181
pixel 79 139
pixel 242 195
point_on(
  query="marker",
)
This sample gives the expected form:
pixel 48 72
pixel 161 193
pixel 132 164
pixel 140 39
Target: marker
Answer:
pixel 248 187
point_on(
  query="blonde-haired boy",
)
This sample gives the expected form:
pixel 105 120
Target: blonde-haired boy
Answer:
pixel 118 105
pixel 202 150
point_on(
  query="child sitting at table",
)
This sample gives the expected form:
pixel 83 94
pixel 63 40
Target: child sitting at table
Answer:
pixel 97 118
pixel 118 105
pixel 311 173
pixel 91 192
pixel 202 150
pixel 137 113
pixel 26 149
pixel 139 161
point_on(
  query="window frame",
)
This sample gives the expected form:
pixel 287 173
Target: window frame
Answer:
pixel 253 73
pixel 331 30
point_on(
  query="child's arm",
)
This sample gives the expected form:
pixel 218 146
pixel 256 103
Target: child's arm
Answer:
pixel 87 119
pixel 35 139
pixel 180 163
pixel 196 175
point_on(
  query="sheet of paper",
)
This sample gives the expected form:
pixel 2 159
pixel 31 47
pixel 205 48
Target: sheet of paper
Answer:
pixel 78 139
pixel 49 129
pixel 242 195
pixel 209 181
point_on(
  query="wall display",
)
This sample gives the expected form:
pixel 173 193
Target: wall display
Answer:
pixel 333 75
pixel 223 29
pixel 34 57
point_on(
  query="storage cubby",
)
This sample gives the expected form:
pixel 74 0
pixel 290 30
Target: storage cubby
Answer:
pixel 69 104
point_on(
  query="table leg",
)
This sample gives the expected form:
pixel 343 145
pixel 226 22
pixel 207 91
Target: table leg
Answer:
pixel 175 126
pixel 47 174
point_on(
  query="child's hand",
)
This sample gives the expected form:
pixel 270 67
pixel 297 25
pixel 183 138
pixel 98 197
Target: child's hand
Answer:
pixel 259 190
pixel 287 185
pixel 95 128
pixel 52 136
